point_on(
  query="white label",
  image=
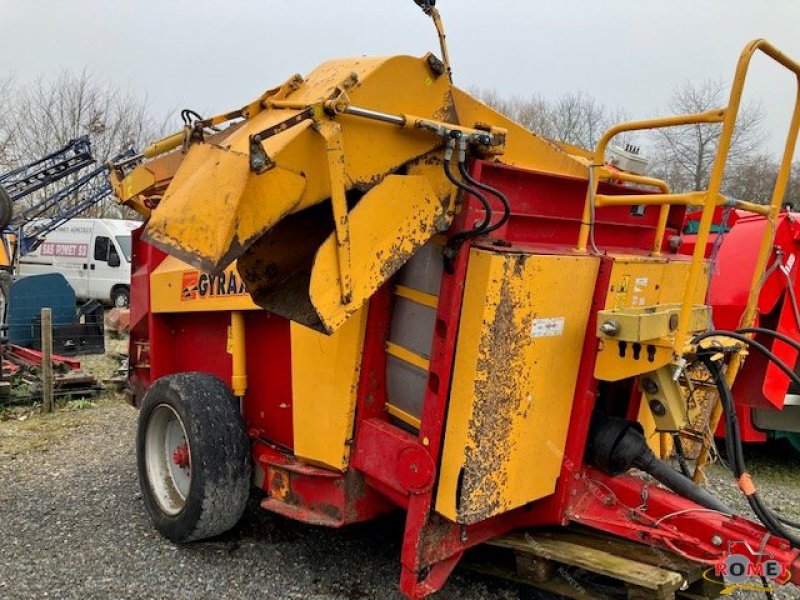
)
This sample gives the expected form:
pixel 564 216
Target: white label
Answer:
pixel 547 327
pixel 640 284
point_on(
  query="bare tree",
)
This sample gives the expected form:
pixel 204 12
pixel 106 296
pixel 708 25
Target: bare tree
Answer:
pixel 579 119
pixel 793 190
pixel 50 112
pixel 575 118
pixel 532 112
pixel 684 155
pixel 7 128
pixel 753 180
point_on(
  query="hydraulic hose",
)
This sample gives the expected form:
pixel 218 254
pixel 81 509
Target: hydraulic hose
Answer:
pixel 678 443
pixel 478 229
pixel 733 446
pixel 495 192
pixel 455 242
pixel 753 344
pixel 776 334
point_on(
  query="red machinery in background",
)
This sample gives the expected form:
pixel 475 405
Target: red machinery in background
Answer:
pixel 767 405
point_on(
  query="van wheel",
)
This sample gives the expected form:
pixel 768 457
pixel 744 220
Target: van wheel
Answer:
pixel 193 457
pixel 121 297
pixel 6 208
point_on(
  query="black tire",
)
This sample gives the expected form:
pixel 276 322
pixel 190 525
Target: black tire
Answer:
pixel 218 457
pixel 121 297
pixel 6 208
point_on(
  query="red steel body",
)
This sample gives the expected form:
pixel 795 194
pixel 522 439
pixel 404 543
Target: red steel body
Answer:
pixel 391 467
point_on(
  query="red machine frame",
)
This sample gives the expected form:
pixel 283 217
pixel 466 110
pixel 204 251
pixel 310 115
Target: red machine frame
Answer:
pixel 390 467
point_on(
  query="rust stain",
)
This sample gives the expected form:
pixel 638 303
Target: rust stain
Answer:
pixel 500 396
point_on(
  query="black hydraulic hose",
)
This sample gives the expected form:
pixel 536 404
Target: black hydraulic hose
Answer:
pixel 478 229
pixel 733 445
pixel 796 345
pixel 753 344
pixel 678 443
pixel 455 242
pixel 495 192
pixel 776 334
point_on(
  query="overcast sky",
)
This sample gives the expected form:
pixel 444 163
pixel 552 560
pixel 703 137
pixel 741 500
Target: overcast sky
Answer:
pixel 217 55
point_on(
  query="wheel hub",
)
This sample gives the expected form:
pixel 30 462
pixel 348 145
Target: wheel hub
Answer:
pixel 168 459
pixel 180 456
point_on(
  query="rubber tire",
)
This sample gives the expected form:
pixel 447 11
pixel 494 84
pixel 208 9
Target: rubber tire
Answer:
pixel 220 449
pixel 6 208
pixel 121 292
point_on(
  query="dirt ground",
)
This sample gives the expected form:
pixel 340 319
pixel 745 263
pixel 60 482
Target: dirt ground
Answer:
pixel 74 524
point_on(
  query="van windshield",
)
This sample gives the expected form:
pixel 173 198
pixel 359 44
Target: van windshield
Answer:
pixel 124 242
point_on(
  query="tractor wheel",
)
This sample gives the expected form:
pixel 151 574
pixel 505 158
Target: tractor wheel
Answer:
pixel 6 208
pixel 193 457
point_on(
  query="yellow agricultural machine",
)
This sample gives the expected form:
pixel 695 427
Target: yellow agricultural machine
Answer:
pixel 366 290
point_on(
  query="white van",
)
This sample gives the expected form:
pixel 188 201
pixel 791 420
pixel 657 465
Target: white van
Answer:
pixel 93 254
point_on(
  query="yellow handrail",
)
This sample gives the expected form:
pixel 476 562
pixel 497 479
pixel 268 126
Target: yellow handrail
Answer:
pixel 708 199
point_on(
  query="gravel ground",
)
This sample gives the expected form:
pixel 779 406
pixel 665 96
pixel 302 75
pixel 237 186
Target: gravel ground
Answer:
pixel 74 526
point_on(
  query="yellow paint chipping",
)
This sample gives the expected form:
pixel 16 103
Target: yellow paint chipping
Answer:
pixel 520 338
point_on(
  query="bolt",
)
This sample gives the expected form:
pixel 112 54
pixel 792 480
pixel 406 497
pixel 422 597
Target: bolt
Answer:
pixel 658 408
pixel 180 456
pixel 716 540
pixel 673 322
pixel 610 328
pixel 649 386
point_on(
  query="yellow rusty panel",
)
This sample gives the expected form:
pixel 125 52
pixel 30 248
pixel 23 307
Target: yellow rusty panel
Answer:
pixel 640 283
pixel 325 371
pixel 215 206
pixel 392 221
pixel 178 287
pixel 212 206
pixel 521 333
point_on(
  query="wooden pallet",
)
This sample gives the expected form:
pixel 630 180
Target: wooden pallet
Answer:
pixel 580 564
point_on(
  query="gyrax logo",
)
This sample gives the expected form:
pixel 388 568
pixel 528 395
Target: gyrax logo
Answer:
pixel 196 285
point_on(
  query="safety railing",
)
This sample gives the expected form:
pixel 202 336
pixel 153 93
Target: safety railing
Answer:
pixel 708 199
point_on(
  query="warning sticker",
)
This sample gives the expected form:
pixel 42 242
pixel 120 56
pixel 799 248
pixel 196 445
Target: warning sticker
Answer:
pixel 547 327
pixel 640 284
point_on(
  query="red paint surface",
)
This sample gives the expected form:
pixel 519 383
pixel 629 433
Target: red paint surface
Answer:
pixel 391 467
pixel 760 383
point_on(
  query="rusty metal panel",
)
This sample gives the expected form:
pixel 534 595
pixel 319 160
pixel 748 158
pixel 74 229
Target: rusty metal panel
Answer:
pixel 520 337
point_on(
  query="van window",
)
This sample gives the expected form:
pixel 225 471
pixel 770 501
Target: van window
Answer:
pixel 124 242
pixel 101 246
